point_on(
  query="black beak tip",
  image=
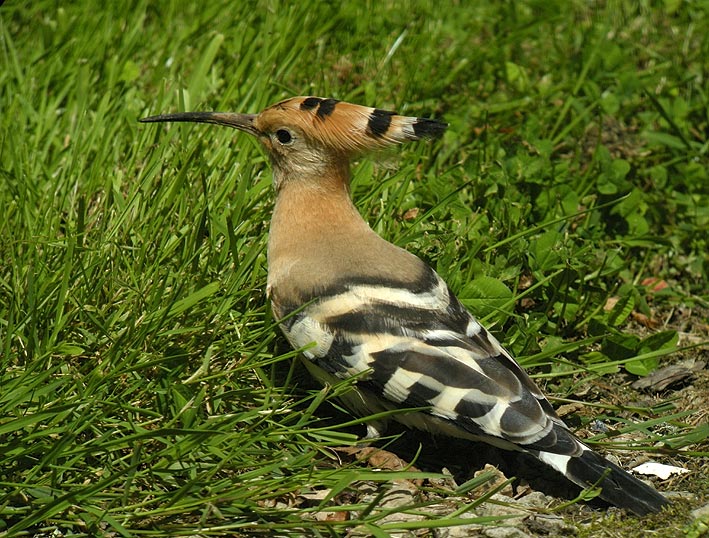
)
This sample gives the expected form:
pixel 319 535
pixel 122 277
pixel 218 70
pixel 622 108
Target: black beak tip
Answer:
pixel 152 119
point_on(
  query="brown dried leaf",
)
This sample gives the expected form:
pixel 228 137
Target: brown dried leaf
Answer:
pixel 650 323
pixel 654 284
pixel 610 303
pixel 411 214
pixel 340 515
pixel 377 457
pixel 569 408
pixel 525 281
pixel 663 378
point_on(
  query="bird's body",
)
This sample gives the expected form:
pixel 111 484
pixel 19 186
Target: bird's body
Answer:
pixel 358 305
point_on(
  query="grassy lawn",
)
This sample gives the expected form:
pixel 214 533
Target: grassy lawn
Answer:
pixel 144 387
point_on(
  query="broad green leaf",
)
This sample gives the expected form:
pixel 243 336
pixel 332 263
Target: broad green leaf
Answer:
pixel 642 367
pixel 543 251
pixel 663 139
pixel 485 295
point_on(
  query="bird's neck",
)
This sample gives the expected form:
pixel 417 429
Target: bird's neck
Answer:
pixel 319 241
pixel 314 217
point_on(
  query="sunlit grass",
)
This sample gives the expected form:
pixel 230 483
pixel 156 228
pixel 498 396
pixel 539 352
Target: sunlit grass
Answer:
pixel 144 388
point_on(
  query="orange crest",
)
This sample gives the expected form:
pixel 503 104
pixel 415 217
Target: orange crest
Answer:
pixel 346 127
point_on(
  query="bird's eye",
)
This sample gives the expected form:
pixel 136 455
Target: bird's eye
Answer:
pixel 284 136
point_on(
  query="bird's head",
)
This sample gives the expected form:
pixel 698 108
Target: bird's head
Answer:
pixel 306 137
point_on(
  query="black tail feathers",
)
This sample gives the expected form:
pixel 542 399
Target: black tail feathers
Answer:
pixel 618 487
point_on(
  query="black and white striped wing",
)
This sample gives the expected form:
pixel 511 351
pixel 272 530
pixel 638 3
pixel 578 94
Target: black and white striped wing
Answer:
pixel 422 348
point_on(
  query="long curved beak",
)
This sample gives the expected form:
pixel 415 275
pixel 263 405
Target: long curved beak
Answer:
pixel 242 122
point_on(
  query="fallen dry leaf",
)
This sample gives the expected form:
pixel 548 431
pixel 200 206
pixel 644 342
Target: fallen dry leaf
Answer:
pixel 610 303
pixel 650 323
pixel 654 284
pixel 377 458
pixel 661 379
pixel 339 515
pixel 411 214
pixel 569 408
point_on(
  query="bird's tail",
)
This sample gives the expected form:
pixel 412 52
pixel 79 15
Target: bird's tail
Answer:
pixel 588 469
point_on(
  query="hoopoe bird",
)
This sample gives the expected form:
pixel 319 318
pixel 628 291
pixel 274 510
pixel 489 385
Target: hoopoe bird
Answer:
pixel 358 305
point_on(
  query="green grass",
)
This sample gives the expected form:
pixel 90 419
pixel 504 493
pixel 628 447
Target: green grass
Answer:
pixel 144 388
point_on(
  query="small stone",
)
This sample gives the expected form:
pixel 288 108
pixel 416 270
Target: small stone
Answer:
pixel 536 499
pixel 498 478
pixel 401 493
pixel 505 532
pixel 550 525
pixel 701 512
pixel 448 482
pixel 507 507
